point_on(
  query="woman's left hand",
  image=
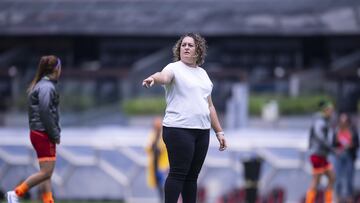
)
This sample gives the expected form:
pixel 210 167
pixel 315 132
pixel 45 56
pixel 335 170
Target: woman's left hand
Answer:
pixel 222 142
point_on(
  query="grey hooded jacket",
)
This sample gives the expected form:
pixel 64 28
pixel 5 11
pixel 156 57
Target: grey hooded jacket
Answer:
pixel 43 108
pixel 320 136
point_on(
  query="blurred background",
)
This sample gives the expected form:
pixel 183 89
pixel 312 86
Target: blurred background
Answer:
pixel 271 62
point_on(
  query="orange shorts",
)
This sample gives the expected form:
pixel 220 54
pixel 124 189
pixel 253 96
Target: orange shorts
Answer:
pixel 45 149
pixel 320 164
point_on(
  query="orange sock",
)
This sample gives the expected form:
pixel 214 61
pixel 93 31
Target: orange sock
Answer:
pixel 328 196
pixel 21 189
pixel 47 197
pixel 310 196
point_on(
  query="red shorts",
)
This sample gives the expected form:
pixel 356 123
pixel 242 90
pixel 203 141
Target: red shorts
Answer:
pixel 320 164
pixel 45 149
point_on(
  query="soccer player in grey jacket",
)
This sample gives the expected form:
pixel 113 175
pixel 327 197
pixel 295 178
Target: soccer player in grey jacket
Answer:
pixel 320 147
pixel 43 113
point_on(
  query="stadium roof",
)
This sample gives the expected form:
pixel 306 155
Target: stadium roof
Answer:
pixel 173 17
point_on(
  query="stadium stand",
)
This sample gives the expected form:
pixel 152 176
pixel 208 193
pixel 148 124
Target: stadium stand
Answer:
pixel 142 17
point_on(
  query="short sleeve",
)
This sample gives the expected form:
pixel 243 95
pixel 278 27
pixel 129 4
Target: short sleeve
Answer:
pixel 207 77
pixel 169 69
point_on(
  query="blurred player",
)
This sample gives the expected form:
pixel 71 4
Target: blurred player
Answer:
pixel 346 143
pixel 320 147
pixel 158 159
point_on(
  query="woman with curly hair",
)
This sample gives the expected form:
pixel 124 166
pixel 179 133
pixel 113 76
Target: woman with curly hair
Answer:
pixel 189 115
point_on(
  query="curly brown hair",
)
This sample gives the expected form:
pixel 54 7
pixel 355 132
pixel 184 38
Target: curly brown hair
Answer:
pixel 200 48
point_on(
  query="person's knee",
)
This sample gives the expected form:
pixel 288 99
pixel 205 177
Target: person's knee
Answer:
pixel 178 175
pixel 191 177
pixel 46 169
pixel 332 178
pixel 46 174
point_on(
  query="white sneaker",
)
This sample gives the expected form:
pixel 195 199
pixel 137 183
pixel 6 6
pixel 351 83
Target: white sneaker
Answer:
pixel 12 197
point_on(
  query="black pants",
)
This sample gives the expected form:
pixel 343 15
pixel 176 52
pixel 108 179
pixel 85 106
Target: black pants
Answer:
pixel 187 150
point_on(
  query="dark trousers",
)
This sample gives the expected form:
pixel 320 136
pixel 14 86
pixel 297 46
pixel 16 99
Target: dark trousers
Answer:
pixel 187 150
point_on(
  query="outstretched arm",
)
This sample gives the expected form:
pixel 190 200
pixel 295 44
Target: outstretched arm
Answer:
pixel 215 124
pixel 164 77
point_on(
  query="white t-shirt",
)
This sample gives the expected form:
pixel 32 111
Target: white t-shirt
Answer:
pixel 187 97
